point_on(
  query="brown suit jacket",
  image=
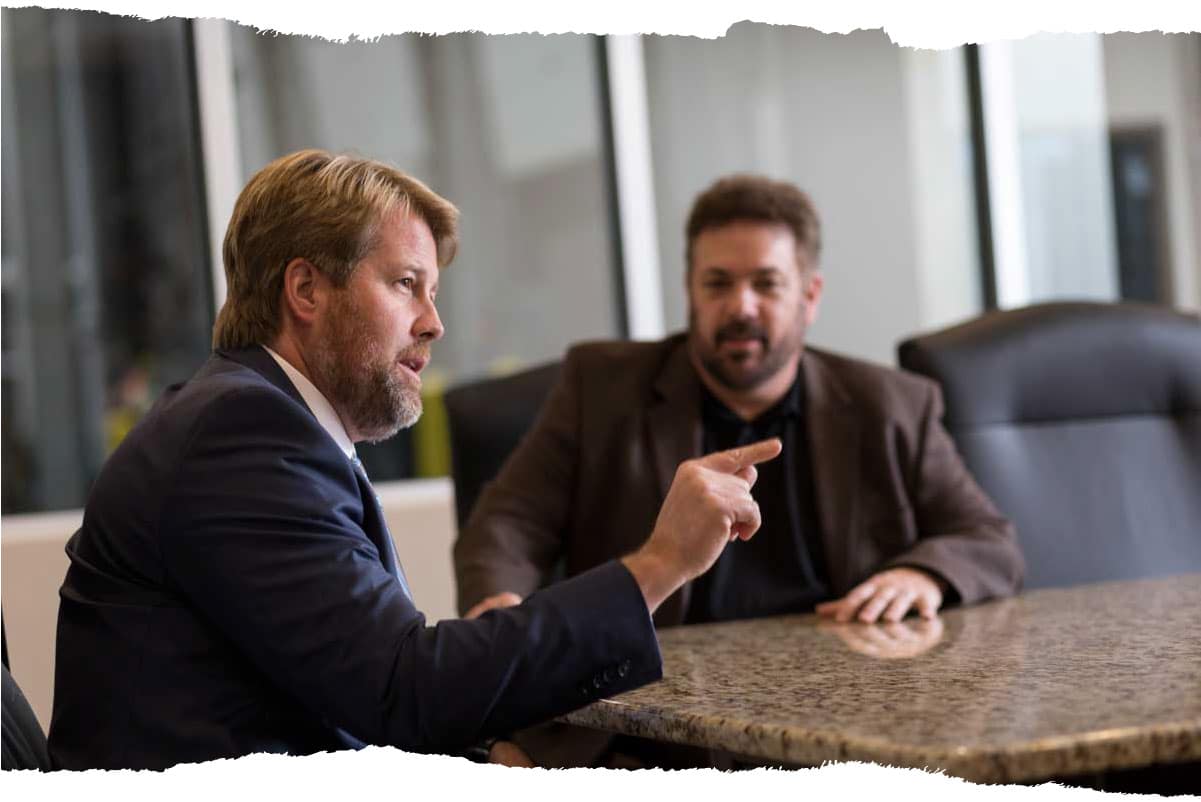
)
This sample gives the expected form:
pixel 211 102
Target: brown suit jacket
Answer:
pixel 586 483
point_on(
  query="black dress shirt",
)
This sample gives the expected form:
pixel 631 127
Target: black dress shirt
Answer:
pixel 782 568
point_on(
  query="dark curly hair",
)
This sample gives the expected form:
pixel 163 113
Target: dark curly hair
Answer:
pixel 756 198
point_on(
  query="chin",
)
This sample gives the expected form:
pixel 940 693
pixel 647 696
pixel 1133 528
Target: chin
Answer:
pixel 743 374
pixel 383 423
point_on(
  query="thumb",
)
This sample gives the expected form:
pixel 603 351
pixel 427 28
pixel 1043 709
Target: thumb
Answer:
pixel 736 459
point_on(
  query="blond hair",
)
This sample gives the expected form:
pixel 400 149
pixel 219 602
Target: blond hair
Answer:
pixel 318 206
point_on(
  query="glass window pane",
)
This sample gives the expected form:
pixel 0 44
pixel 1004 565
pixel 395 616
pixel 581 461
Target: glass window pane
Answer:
pixel 1092 142
pixel 1153 109
pixel 106 294
pixel 509 128
pixel 877 135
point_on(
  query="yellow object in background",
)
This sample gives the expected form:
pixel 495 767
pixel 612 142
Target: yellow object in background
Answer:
pixel 431 435
pixel 117 423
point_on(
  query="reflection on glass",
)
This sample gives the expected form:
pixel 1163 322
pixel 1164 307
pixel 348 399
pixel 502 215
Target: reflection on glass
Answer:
pixel 1153 109
pixel 1094 192
pixel 105 281
pixel 508 128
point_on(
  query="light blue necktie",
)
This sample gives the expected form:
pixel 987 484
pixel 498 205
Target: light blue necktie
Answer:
pixel 390 550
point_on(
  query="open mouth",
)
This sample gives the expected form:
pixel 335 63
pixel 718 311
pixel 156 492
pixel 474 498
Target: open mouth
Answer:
pixel 413 364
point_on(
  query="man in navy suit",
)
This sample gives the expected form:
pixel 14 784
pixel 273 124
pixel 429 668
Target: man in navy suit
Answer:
pixel 234 589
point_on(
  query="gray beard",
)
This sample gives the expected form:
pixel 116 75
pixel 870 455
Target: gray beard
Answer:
pixel 363 385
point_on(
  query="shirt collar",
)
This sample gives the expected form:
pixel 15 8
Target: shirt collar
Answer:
pixel 318 404
pixel 790 405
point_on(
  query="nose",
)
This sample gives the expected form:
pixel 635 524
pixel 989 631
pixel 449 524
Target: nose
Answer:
pixel 743 302
pixel 428 326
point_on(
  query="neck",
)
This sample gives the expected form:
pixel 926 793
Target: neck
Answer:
pixel 288 347
pixel 750 403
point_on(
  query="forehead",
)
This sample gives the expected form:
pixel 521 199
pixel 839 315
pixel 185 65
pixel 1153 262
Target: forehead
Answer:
pixel 745 245
pixel 405 237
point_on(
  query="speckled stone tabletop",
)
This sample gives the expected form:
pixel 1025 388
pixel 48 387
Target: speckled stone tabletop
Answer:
pixel 1051 683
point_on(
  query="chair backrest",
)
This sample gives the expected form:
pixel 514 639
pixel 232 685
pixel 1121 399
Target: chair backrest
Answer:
pixel 1083 422
pixel 24 743
pixel 487 420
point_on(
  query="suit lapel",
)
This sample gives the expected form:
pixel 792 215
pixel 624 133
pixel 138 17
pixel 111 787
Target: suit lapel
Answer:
pixel 674 417
pixel 374 526
pixel 833 429
pixel 674 435
pixel 673 423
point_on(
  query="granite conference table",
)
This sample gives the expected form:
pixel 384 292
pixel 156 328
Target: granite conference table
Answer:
pixel 1051 683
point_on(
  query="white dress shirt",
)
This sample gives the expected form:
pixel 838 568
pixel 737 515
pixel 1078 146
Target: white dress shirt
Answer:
pixel 320 406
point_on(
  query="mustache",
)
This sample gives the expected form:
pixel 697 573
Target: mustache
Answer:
pixel 421 352
pixel 740 330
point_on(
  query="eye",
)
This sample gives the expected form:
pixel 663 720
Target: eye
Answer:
pixel 767 285
pixel 715 284
pixel 408 282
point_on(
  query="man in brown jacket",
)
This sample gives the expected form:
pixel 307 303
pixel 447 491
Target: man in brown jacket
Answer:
pixel 869 514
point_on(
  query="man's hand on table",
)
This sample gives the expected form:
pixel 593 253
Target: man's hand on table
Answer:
pixel 889 595
pixel 709 504
pixel 505 599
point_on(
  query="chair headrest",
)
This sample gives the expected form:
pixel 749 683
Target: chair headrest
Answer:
pixel 1063 361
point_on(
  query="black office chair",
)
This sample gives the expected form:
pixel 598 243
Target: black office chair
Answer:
pixel 23 742
pixel 487 420
pixel 1083 422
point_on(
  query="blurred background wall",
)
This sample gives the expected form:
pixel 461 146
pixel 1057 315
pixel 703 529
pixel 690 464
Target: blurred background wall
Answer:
pixel 949 182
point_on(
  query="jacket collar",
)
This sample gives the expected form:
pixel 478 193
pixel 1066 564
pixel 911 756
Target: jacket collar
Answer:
pixel 257 359
pixel 833 429
pixel 674 418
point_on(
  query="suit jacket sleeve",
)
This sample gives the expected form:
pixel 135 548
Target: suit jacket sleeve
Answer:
pixel 962 536
pixel 514 537
pixel 263 535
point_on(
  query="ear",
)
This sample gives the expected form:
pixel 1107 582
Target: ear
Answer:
pixel 811 294
pixel 304 292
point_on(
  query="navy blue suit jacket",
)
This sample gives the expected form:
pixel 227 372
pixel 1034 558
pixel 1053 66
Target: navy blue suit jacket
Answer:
pixel 233 589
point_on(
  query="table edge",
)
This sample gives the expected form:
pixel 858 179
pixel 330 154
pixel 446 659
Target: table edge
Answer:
pixel 1043 758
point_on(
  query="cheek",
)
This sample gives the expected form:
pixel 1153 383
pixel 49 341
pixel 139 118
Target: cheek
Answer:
pixel 705 320
pixel 783 318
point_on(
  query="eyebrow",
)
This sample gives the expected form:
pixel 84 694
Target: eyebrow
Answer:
pixel 415 268
pixel 723 271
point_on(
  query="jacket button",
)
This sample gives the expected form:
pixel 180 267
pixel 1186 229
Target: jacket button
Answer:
pixel 624 668
pixel 585 691
pixel 607 676
pixel 596 682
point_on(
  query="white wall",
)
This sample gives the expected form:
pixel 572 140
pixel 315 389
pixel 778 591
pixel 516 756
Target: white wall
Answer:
pixel 420 516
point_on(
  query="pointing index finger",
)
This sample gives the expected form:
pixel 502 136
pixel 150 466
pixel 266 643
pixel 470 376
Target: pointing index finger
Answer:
pixel 736 459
